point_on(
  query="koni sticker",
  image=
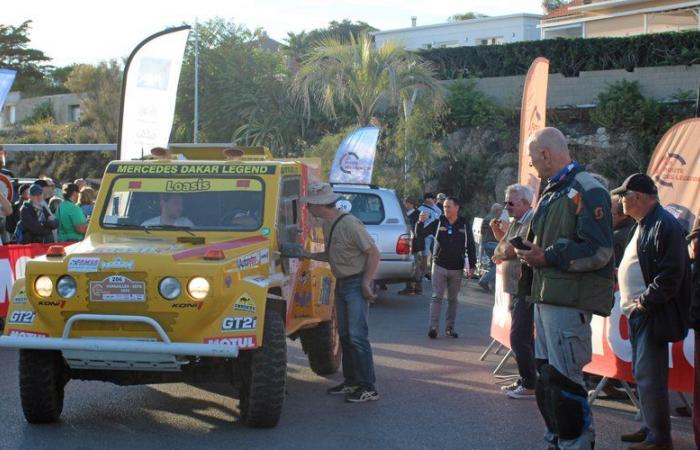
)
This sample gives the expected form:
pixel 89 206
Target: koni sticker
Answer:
pixel 238 341
pixel 239 323
pixel 245 303
pixel 22 317
pixel 83 264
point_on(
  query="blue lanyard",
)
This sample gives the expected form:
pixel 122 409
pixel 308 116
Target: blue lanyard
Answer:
pixel 563 172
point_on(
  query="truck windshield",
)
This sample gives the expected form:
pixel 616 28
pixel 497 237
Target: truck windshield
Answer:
pixel 205 204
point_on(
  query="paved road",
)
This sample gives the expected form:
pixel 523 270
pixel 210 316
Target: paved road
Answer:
pixel 435 394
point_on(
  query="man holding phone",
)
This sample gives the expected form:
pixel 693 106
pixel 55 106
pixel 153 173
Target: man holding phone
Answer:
pixel 571 257
pixel 518 205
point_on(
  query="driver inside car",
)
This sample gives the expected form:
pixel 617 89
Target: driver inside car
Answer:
pixel 245 219
pixel 171 207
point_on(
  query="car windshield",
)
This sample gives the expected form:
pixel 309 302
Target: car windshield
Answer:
pixel 206 204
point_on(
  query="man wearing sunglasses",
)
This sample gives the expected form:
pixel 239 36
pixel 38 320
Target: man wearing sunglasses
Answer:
pixel 454 243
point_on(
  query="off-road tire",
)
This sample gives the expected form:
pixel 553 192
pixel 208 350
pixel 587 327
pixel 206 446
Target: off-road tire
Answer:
pixel 264 384
pixel 42 378
pixel 322 345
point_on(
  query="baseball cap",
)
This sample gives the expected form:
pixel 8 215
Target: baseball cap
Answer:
pixel 637 182
pixel 35 189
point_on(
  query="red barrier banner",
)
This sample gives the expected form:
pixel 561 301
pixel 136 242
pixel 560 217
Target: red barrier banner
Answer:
pixel 13 260
pixel 612 350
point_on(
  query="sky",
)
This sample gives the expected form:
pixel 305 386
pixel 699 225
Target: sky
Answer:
pixel 82 31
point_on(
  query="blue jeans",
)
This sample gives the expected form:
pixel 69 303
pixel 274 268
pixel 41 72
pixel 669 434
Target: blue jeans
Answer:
pixel 650 369
pixel 429 243
pixel 353 310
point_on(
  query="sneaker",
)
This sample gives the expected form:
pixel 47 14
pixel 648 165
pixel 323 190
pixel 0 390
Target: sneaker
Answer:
pixel 342 389
pixel 511 387
pixel 451 333
pixel 407 291
pixel 362 395
pixel 432 334
pixel 521 392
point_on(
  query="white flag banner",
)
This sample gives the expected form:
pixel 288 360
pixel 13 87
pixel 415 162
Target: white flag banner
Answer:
pixel 149 91
pixel 354 160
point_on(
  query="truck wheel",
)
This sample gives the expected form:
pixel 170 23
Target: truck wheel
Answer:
pixel 42 377
pixel 263 388
pixel 322 345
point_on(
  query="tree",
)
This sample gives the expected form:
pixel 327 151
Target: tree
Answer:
pixel 15 55
pixel 550 5
pixel 466 16
pixel 100 90
pixel 363 78
pixel 299 44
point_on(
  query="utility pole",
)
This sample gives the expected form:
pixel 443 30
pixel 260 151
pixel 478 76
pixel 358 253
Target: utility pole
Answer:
pixel 196 81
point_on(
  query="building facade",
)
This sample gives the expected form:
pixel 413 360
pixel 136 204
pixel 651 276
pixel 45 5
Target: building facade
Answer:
pixel 619 18
pixel 65 107
pixel 482 31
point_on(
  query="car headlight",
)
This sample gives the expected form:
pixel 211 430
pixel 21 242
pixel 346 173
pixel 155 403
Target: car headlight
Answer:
pixel 43 286
pixel 66 286
pixel 170 288
pixel 198 288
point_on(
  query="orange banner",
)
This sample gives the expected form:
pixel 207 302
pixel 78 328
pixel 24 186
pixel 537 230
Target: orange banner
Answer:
pixel 533 113
pixel 675 168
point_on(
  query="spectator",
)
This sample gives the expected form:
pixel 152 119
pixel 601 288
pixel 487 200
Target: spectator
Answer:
pixel 694 250
pixel 622 228
pixel 86 200
pixel 36 222
pixel 489 240
pixel 3 164
pixel 171 208
pixel 71 220
pixel 81 183
pixel 440 201
pixel 655 282
pixel 12 220
pixel 413 287
pixel 433 213
pixel 353 258
pixel 454 243
pixel 518 204
pixel 571 271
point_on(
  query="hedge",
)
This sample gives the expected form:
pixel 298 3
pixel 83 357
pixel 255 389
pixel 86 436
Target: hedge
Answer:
pixel 567 56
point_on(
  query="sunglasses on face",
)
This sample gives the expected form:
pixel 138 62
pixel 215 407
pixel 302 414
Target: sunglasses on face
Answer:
pixel 509 203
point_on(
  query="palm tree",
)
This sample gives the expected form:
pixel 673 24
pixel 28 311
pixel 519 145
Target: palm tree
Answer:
pixel 365 78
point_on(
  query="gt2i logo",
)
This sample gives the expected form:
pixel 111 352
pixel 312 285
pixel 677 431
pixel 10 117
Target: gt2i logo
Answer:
pixel 22 317
pixel 238 323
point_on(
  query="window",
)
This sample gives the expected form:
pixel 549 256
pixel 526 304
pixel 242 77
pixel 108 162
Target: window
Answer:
pixel 491 41
pixel 74 111
pixel 288 217
pixel 366 207
pixel 207 203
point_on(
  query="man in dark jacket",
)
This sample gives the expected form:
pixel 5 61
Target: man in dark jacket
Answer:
pixel 694 250
pixel 413 287
pixel 655 281
pixel 36 219
pixel 454 243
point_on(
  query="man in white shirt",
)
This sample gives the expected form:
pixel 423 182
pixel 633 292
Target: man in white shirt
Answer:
pixel 171 207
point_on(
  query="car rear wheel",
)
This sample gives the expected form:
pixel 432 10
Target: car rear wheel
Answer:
pixel 42 378
pixel 322 345
pixel 263 388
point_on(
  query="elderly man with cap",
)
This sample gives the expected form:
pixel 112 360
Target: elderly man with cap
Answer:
pixel 36 222
pixel 655 282
pixel 353 258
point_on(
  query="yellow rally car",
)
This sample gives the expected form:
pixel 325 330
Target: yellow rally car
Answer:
pixel 180 278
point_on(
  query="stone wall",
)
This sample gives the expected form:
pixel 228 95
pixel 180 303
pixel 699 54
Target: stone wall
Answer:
pixel 660 83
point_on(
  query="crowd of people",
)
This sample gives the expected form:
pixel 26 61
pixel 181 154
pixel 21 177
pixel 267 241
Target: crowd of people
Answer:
pixel 44 212
pixel 560 262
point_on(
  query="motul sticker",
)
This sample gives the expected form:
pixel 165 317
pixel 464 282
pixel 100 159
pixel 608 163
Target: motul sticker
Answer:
pixel 29 334
pixel 238 341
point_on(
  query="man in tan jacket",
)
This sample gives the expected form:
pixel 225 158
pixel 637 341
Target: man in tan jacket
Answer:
pixel 518 205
